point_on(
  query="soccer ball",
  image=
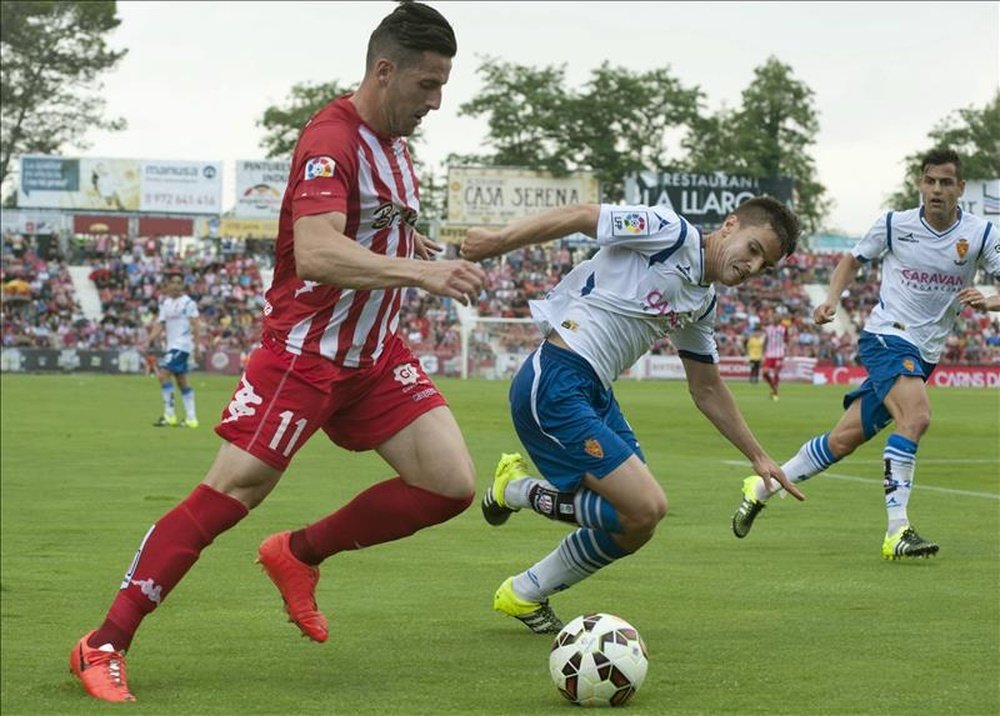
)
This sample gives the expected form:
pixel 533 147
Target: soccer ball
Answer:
pixel 598 660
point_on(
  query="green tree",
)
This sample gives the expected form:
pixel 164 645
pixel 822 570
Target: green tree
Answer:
pixel 973 133
pixel 525 109
pixel 624 121
pixel 282 123
pixel 767 136
pixel 51 55
pixel 619 122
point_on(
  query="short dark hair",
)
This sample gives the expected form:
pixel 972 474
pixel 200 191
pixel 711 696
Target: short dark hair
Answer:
pixel 941 155
pixel 768 211
pixel 407 32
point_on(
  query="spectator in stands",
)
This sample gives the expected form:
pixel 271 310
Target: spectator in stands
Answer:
pixel 653 275
pixel 930 258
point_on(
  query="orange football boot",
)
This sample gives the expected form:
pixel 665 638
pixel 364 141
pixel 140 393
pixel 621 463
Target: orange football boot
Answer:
pixel 101 672
pixel 297 582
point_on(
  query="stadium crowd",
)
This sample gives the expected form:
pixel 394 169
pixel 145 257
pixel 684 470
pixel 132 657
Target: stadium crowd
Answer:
pixel 41 309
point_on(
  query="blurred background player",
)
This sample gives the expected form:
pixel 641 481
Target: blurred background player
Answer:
pixel 178 321
pixel 330 357
pixel 755 353
pixel 775 339
pixel 930 256
pixel 652 276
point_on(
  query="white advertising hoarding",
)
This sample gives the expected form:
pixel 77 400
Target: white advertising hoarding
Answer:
pixel 496 195
pixel 99 183
pixel 175 187
pixel 260 187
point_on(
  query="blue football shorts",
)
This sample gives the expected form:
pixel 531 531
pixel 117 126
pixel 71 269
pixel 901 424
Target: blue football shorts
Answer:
pixel 885 358
pixel 569 423
pixel 174 361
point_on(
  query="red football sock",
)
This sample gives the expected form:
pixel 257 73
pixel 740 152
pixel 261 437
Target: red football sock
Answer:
pixel 384 512
pixel 167 552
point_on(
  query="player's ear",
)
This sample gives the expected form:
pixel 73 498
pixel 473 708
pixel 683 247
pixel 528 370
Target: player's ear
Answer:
pixel 384 67
pixel 731 224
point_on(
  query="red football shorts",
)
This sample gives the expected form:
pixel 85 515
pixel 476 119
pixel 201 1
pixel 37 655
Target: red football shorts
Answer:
pixel 282 399
pixel 773 364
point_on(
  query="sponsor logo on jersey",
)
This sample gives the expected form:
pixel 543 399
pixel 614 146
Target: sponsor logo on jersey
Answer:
pixel 593 448
pixel 629 223
pixel 406 374
pixel 930 279
pixel 243 401
pixel 319 167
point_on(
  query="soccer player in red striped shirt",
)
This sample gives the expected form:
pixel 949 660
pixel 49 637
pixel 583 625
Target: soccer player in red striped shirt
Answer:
pixel 330 357
pixel 775 338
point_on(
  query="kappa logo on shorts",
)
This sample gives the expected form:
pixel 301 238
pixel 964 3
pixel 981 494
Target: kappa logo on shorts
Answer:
pixel 593 448
pixel 406 374
pixel 243 402
pixel 152 590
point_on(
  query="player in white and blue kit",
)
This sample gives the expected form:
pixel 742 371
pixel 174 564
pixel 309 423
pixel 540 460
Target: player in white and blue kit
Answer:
pixel 652 275
pixel 178 321
pixel 930 256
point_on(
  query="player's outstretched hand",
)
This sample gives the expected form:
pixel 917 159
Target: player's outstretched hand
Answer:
pixel 769 470
pixel 425 247
pixel 824 313
pixel 458 279
pixel 480 244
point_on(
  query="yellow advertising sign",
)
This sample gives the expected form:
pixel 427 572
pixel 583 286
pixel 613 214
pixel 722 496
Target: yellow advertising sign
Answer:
pixel 232 228
pixel 497 195
pixel 452 233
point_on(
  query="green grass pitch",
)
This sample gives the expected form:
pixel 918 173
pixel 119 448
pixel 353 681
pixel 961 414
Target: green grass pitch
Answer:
pixel 802 617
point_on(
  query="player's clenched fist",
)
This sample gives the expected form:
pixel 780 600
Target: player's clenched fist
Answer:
pixel 457 279
pixel 481 244
pixel 824 313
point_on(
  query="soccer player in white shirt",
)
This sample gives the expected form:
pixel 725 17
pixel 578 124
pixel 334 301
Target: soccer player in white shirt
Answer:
pixel 930 256
pixel 652 276
pixel 178 321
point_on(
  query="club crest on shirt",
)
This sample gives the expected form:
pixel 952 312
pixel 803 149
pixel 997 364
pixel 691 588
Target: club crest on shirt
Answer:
pixel 319 167
pixel 593 448
pixel 961 248
pixel 629 223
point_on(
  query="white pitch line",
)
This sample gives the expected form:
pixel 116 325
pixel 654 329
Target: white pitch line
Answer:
pixel 870 481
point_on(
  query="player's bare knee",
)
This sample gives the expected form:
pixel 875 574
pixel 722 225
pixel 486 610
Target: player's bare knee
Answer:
pixel 644 518
pixel 914 424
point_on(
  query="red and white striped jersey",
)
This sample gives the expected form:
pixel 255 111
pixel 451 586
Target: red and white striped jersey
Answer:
pixel 341 164
pixel 774 340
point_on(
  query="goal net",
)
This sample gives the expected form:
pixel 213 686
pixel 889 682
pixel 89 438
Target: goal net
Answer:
pixel 495 347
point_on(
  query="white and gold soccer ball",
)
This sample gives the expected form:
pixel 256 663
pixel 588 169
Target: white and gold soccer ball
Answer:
pixel 598 660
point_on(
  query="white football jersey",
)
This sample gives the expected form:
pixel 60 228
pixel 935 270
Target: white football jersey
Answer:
pixel 923 271
pixel 645 281
pixel 176 315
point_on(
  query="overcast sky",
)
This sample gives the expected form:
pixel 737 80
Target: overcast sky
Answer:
pixel 199 75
